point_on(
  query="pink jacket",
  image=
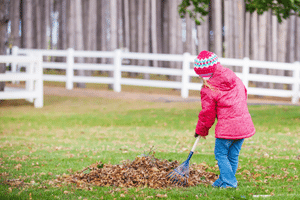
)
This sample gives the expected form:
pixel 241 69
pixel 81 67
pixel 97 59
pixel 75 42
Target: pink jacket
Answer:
pixel 226 101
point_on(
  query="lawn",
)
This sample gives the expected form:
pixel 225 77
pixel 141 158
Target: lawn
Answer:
pixel 70 133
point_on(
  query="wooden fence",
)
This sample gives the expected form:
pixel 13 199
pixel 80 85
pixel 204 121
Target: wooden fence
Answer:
pixel 186 72
pixel 33 77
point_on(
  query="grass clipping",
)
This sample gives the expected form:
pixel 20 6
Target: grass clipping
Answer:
pixel 146 171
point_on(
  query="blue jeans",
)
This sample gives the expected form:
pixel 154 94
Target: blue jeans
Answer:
pixel 227 154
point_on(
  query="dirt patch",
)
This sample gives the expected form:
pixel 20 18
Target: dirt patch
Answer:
pixel 155 97
pixel 79 92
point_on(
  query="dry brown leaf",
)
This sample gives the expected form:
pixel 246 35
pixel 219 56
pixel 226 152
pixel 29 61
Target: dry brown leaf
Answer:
pixel 122 195
pixel 18 167
pixel 155 169
pixel 162 195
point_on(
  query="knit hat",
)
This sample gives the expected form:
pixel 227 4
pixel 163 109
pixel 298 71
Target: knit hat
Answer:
pixel 205 64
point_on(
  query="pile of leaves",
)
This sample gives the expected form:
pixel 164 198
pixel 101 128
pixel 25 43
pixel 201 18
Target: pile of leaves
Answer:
pixel 146 171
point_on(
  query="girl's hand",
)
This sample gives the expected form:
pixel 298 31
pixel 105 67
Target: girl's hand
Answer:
pixel 196 135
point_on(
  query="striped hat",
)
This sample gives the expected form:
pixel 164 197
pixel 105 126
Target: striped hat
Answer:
pixel 205 64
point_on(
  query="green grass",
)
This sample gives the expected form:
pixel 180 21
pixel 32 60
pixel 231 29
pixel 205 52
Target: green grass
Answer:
pixel 69 134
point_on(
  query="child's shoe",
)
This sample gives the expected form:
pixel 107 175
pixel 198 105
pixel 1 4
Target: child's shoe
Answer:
pixel 217 183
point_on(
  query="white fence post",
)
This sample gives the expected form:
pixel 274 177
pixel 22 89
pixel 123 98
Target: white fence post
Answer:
pixel 29 84
pixel 117 70
pixel 14 52
pixel 33 75
pixel 185 75
pixel 7 53
pixel 39 101
pixel 296 72
pixel 70 69
pixel 246 68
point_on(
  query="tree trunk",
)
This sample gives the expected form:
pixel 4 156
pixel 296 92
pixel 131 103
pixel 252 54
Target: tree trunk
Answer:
pixel 240 28
pixel 166 29
pixel 291 41
pixel 194 39
pixel 99 28
pixel 3 35
pixel 71 24
pixel 269 36
pixel 202 35
pixel 228 28
pixel 79 37
pixel 92 29
pixel 188 34
pixel 127 23
pixel 140 29
pixel 153 30
pixel 15 22
pixel 269 44
pixel 281 48
pixel 179 40
pixel 232 27
pixel 173 30
pixel 297 46
pixel 51 5
pixel 262 37
pixel 113 32
pixel 45 23
pixel 105 26
pixel 282 39
pixel 274 38
pixel 254 42
pixel 274 46
pixel 38 14
pixel 62 43
pixel 120 23
pixel 291 46
pixel 217 26
pixel 27 29
pixel 133 31
pixel 146 34
pixel 91 35
pixel 78 27
pixel 254 36
pixel 133 26
pixel 85 24
pixel 236 31
pixel 247 35
pixel 159 29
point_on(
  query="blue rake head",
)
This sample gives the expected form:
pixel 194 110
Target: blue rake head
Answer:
pixel 180 175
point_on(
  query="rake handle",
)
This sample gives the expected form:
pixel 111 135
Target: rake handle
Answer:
pixel 195 144
pixel 193 149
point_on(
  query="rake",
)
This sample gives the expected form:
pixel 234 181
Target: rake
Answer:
pixel 180 175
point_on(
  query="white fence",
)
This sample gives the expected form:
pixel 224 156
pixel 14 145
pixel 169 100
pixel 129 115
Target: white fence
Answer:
pixel 185 72
pixel 33 77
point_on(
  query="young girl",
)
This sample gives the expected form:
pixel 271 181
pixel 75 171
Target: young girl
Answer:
pixel 223 96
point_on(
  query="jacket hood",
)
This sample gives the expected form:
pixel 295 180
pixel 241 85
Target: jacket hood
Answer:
pixel 223 78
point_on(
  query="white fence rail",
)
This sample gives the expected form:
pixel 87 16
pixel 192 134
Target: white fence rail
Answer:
pixel 33 78
pixel 185 72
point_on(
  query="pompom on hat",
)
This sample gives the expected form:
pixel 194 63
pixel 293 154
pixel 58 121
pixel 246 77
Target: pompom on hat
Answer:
pixel 205 64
